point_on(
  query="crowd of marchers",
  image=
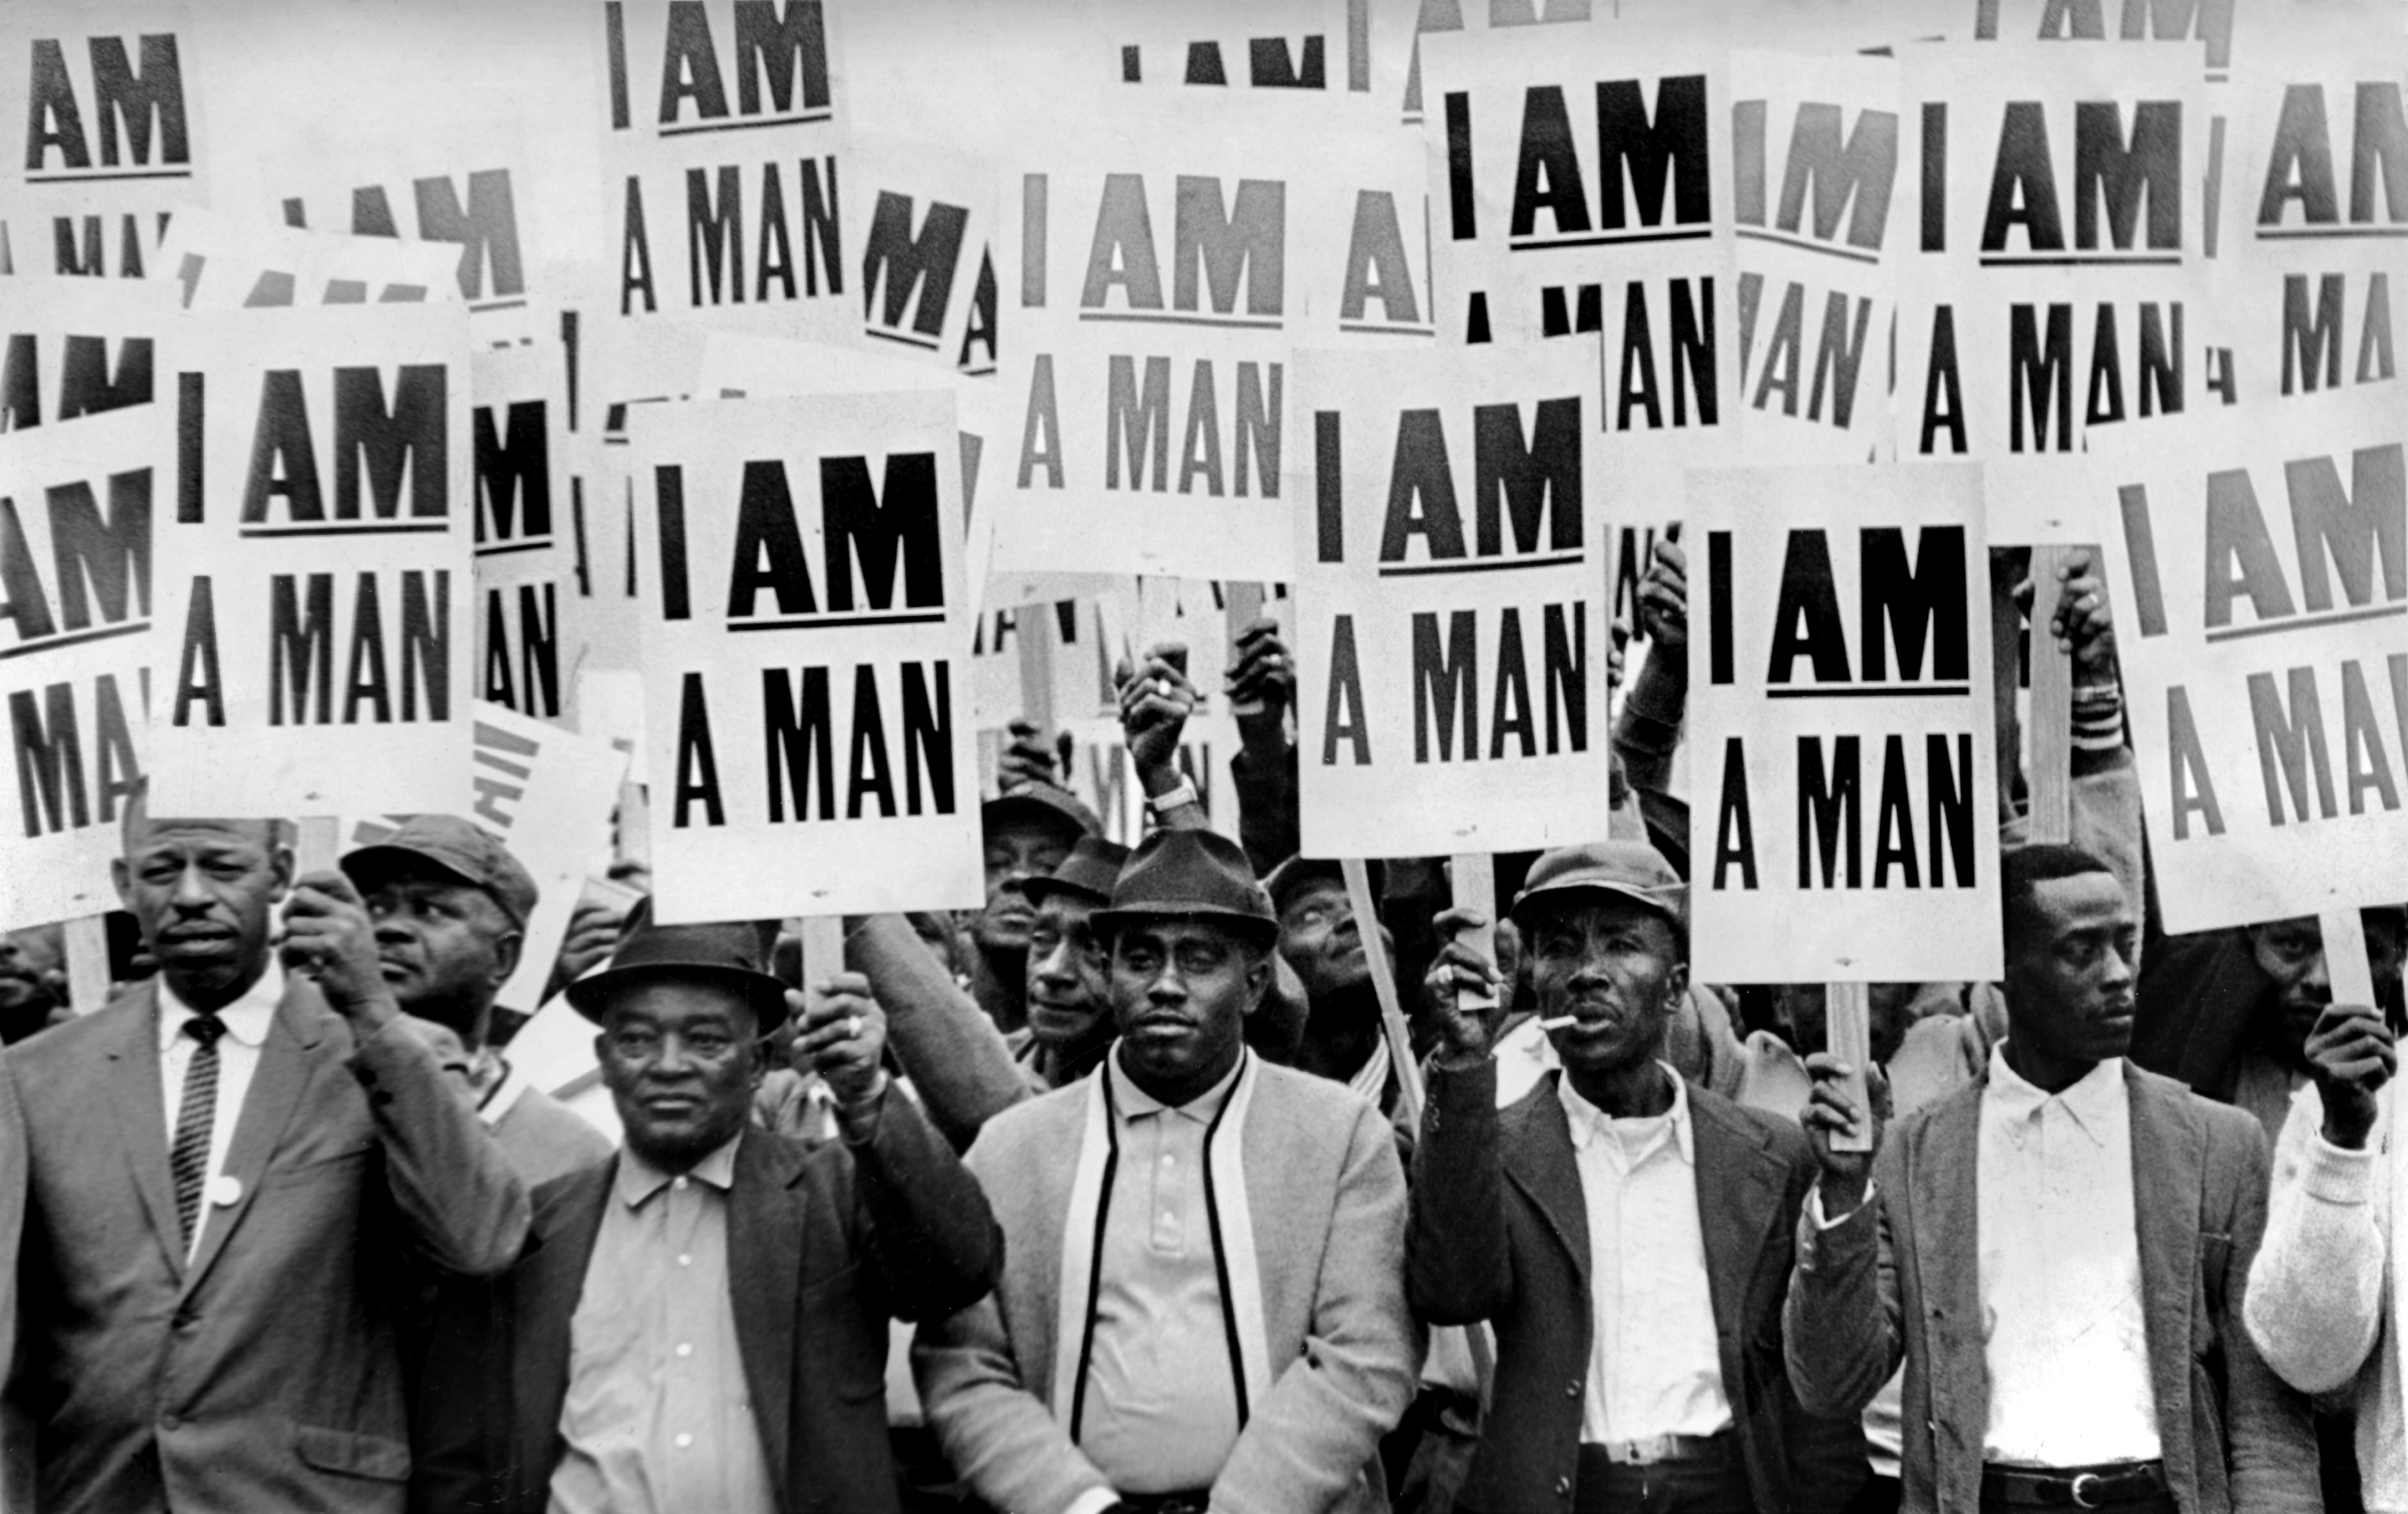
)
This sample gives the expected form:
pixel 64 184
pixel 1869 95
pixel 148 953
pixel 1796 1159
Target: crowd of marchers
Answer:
pixel 1125 1193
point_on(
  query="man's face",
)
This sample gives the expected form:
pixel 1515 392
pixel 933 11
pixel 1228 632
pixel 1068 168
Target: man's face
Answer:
pixel 26 959
pixel 445 947
pixel 1017 850
pixel 1615 965
pixel 2291 952
pixel 680 1062
pixel 1181 992
pixel 205 894
pixel 2069 960
pixel 1322 939
pixel 1070 989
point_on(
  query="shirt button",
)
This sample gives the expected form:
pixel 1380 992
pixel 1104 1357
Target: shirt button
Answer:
pixel 676 1182
pixel 685 1261
pixel 683 1441
pixel 686 1348
pixel 171 1421
pixel 1170 1160
pixel 1571 1388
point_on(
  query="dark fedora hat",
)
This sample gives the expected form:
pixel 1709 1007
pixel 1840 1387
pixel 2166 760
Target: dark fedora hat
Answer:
pixel 1089 872
pixel 733 953
pixel 1190 874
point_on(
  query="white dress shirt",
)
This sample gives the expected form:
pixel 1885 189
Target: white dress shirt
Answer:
pixel 2065 1333
pixel 1655 1367
pixel 247 1021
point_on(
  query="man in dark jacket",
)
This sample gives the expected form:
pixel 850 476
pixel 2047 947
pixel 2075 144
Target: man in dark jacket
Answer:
pixel 1625 1231
pixel 701 1322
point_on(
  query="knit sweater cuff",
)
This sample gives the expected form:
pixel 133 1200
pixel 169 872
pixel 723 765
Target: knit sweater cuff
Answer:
pixel 2336 1175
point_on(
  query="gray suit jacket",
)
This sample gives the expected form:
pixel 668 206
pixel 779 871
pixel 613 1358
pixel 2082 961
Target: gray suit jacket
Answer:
pixel 1901 1279
pixel 265 1375
pixel 1328 1202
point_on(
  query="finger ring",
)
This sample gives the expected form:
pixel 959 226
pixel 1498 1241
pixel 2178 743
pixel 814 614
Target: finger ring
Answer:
pixel 852 1027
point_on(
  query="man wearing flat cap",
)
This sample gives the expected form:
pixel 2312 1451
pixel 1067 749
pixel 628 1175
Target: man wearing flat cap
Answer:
pixel 1200 1306
pixel 451 905
pixel 1028 831
pixel 1625 1231
pixel 700 1322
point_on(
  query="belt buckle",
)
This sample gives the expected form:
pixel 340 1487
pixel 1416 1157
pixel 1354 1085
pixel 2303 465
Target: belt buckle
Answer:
pixel 2083 1484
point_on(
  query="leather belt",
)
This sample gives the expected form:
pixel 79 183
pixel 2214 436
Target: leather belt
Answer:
pixel 1651 1450
pixel 2101 1486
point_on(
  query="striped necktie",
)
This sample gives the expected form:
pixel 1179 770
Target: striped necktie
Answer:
pixel 188 1160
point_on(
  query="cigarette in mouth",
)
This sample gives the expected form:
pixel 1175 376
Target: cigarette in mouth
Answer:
pixel 1558 1023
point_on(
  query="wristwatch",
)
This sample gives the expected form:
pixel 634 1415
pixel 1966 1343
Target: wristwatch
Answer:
pixel 1162 804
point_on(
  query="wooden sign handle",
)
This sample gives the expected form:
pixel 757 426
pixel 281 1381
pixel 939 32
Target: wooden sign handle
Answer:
pixel 2346 966
pixel 1473 875
pixel 823 948
pixel 1847 1034
pixel 318 846
pixel 2048 772
pixel 1384 982
pixel 87 952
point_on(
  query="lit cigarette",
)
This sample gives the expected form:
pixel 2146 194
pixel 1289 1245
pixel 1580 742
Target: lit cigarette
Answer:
pixel 1558 1023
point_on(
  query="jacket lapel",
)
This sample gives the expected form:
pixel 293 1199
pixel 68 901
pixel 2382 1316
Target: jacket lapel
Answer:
pixel 764 1256
pixel 2168 1164
pixel 285 1067
pixel 545 1290
pixel 1945 1164
pixel 1746 1188
pixel 141 1121
pixel 1537 1146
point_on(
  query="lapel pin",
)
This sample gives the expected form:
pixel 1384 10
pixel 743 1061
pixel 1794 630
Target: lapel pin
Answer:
pixel 225 1191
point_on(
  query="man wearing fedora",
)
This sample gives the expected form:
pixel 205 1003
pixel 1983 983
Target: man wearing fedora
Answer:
pixel 701 1322
pixel 1625 1231
pixel 1200 1305
pixel 450 906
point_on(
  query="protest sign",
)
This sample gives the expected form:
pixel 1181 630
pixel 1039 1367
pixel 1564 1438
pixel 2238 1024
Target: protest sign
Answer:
pixel 75 347
pixel 1476 17
pixel 1169 257
pixel 924 214
pixel 804 641
pixel 219 263
pixel 78 506
pixel 1450 603
pixel 318 591
pixel 113 141
pixel 1845 822
pixel 2260 575
pixel 1356 47
pixel 1814 144
pixel 725 131
pixel 548 793
pixel 2053 284
pixel 526 593
pixel 2317 212
pixel 2199 31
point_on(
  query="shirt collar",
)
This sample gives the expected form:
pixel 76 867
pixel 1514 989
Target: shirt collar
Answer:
pixel 1135 1103
pixel 1589 1123
pixel 638 1179
pixel 246 1019
pixel 2097 1099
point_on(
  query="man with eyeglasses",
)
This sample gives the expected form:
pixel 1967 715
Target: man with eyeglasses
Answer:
pixel 613 1368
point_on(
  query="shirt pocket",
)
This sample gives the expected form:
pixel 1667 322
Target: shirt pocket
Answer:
pixel 352 1453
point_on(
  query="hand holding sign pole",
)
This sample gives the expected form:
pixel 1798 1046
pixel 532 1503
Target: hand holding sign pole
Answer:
pixel 1384 982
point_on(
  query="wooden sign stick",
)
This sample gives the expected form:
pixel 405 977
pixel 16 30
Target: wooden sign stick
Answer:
pixel 1383 982
pixel 1473 875
pixel 318 846
pixel 2048 773
pixel 2346 966
pixel 1847 1034
pixel 87 952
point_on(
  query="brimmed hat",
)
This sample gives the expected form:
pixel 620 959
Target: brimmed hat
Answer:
pixel 732 952
pixel 1189 875
pixel 1624 869
pixel 466 851
pixel 1089 870
pixel 1045 803
pixel 1288 879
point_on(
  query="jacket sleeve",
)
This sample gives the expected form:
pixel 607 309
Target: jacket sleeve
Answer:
pixel 1309 1439
pixel 951 1051
pixel 2271 1435
pixel 991 1426
pixel 2315 1304
pixel 1265 780
pixel 461 1202
pixel 1840 1323
pixel 1458 1265
pixel 931 1236
pixel 15 1180
pixel 1826 1455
